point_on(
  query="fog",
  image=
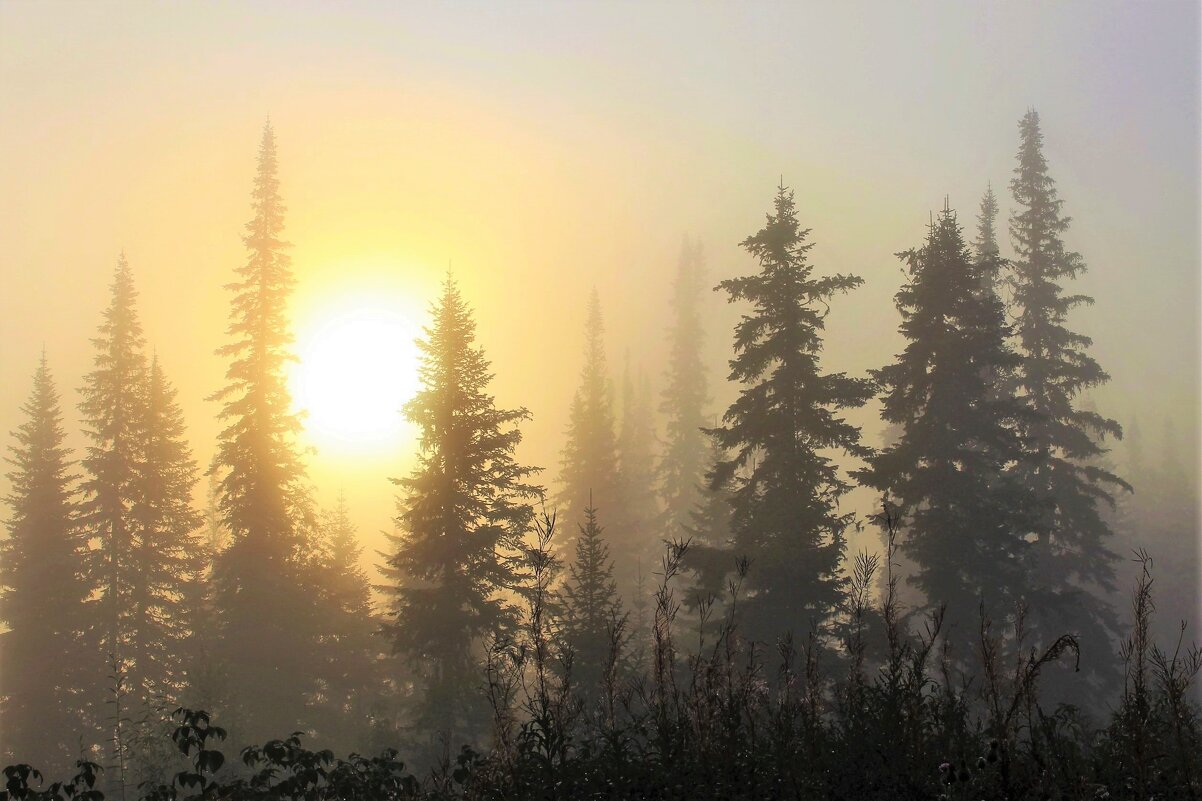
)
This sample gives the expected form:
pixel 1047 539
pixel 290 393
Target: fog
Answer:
pixel 536 153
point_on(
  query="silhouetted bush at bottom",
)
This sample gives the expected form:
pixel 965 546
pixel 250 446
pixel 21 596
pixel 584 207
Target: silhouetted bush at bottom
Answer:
pixel 718 725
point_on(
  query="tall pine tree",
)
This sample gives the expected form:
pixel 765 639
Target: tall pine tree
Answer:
pixel 589 464
pixel 349 676
pixel 46 665
pixel 113 408
pixel 781 431
pixel 965 515
pixel 1073 536
pixel 166 556
pixel 262 589
pixel 684 461
pixel 463 513
pixel 592 621
pixel 636 473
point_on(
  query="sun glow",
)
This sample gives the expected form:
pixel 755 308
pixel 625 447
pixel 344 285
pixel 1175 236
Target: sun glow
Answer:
pixel 357 367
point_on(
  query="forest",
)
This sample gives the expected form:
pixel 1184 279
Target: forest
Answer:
pixel 667 618
pixel 600 400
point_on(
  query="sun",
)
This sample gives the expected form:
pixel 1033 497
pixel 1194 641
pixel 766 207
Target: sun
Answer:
pixel 357 367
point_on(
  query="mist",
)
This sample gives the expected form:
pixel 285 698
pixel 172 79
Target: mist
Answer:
pixel 584 182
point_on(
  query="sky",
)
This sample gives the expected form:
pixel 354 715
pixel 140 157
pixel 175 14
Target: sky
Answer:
pixel 541 150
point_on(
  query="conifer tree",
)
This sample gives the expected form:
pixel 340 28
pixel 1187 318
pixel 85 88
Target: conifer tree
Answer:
pixel 1073 539
pixel 965 515
pixel 683 463
pixel 636 473
pixel 204 684
pixel 592 609
pixel 781 429
pixel 589 464
pixel 708 531
pixel 46 666
pixel 985 247
pixel 166 555
pixel 113 408
pixel 463 513
pixel 263 591
pixel 348 673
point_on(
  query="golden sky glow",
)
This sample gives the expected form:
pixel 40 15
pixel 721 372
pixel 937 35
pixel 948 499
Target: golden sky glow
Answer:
pixel 356 368
pixel 541 150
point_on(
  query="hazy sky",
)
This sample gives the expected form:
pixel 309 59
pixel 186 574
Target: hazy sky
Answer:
pixel 542 149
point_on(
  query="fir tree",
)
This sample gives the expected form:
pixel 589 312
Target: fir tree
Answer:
pixel 949 475
pixel 589 464
pixel 708 531
pixel 348 674
pixel 985 247
pixel 113 408
pixel 592 610
pixel 636 473
pixel 166 551
pixel 46 666
pixel 462 516
pixel 683 463
pixel 263 590
pixel 785 515
pixel 1072 535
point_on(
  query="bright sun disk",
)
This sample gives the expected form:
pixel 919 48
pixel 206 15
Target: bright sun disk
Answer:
pixel 355 372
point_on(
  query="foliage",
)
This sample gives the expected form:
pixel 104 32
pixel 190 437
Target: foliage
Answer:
pixel 950 472
pixel 1071 490
pixel 782 428
pixel 44 666
pixel 464 513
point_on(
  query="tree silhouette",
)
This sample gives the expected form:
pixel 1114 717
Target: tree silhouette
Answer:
pixel 46 664
pixel 964 513
pixel 263 593
pixel 1072 534
pixel 785 515
pixel 592 610
pixel 462 515
pixel 589 463
pixel 114 412
pixel 167 555
pixel 684 461
pixel 636 473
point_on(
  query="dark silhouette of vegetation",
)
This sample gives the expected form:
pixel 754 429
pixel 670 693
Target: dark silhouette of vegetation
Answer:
pixel 463 515
pixel 1072 536
pixel 508 661
pixel 785 507
pixel 685 458
pixel 589 463
pixel 267 609
pixel 727 721
pixel 45 654
pixel 965 513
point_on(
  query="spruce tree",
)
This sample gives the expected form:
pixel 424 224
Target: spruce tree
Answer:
pixel 262 586
pixel 708 531
pixel 684 461
pixel 985 247
pixel 636 472
pixel 782 429
pixel 592 609
pixel 113 408
pixel 589 464
pixel 1073 538
pixel 949 475
pixel 46 665
pixel 166 550
pixel 348 634
pixel 462 515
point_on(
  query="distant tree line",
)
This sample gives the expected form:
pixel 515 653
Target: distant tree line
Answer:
pixel 123 601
